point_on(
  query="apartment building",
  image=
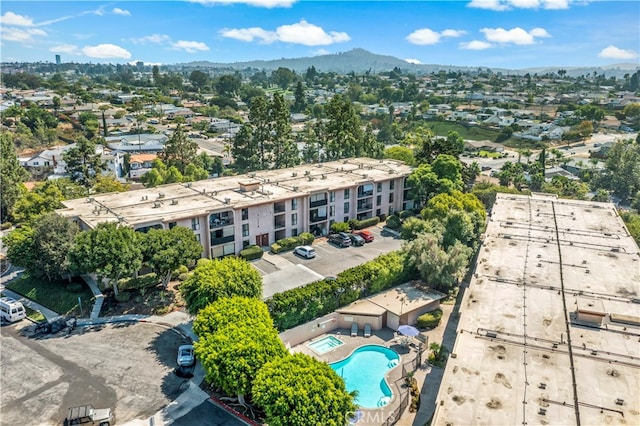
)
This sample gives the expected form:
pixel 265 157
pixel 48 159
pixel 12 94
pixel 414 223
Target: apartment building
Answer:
pixel 230 213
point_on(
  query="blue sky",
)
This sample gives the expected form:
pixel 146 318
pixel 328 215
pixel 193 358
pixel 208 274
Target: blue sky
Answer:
pixel 493 33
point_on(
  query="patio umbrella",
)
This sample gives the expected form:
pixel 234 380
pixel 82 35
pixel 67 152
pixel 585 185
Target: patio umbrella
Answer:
pixel 408 330
pixel 357 416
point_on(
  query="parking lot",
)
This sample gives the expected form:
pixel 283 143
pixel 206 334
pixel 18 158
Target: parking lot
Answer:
pixel 281 272
pixel 127 367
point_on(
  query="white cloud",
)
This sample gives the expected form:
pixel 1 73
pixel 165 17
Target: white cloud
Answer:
pixel 513 36
pixel 153 38
pixel 67 49
pixel 190 46
pixel 500 5
pixel 426 36
pixel 299 33
pixel 106 51
pixel 250 34
pixel 309 34
pixel 21 35
pixel 612 52
pixel 413 61
pixel 122 12
pixel 475 45
pixel 257 3
pixel 10 18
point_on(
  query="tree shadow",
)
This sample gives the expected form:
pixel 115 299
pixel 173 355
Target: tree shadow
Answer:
pixel 164 348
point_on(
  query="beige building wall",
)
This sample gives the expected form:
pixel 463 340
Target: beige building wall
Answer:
pixel 310 330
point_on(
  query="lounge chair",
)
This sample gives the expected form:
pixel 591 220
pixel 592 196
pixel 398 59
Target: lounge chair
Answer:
pixel 367 330
pixel 354 329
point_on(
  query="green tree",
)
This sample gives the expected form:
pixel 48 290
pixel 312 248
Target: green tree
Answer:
pixel 109 250
pixel 228 85
pixel 12 176
pixel 343 129
pixel 32 204
pixel 401 153
pixel 284 149
pixel 245 150
pixel 232 352
pixel 35 114
pixel 198 79
pixel 108 183
pixel 214 279
pixel 42 250
pixel 442 269
pixel 622 170
pixel 300 102
pixel 299 390
pixel 167 249
pixel 283 77
pixel 448 167
pixel 84 164
pixel 179 151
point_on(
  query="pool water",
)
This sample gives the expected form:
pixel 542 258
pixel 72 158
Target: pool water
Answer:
pixel 325 344
pixel 364 371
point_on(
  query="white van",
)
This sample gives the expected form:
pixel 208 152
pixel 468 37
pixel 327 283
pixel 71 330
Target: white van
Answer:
pixel 11 310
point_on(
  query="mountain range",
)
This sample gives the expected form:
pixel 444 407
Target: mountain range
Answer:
pixel 361 61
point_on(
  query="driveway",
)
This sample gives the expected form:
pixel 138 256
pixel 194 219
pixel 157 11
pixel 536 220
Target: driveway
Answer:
pixel 281 272
pixel 126 366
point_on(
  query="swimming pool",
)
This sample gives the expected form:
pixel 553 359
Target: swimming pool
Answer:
pixel 326 344
pixel 364 371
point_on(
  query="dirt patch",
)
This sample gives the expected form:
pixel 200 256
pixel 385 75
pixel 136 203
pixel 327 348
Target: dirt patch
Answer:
pixel 152 301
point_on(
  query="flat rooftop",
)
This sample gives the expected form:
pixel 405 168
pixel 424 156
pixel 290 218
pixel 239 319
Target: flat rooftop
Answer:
pixel 548 332
pixel 183 200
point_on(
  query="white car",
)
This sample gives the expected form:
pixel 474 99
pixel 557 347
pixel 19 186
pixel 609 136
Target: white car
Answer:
pixel 305 251
pixel 186 356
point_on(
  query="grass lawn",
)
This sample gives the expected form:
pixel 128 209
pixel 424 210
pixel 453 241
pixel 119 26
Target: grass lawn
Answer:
pixel 489 154
pixel 54 296
pixel 472 133
pixel 34 316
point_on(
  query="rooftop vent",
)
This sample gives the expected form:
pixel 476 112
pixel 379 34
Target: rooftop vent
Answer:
pixel 227 200
pixel 307 172
pixel 174 202
pixel 188 185
pixel 324 176
pixel 156 204
pixel 619 401
pixel 295 188
pixel 542 412
pixel 251 175
pixel 90 200
pixel 542 386
pixel 294 174
pixel 160 194
pixel 491 334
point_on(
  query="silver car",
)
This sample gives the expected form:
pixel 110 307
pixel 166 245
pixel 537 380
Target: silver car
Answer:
pixel 186 356
pixel 305 251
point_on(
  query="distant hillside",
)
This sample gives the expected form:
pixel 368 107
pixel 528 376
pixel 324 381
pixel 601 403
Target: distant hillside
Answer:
pixel 360 61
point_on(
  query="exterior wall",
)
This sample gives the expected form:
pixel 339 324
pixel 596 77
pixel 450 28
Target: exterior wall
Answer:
pixel 412 316
pixel 376 321
pixel 393 321
pixel 310 330
pixel 590 317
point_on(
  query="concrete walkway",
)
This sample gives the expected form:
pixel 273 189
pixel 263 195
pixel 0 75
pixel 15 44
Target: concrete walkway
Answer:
pixel 97 294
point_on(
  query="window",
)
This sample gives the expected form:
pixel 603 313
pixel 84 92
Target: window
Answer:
pixel 332 211
pixel 245 244
pixel 245 214
pixel 378 212
pixel 294 219
pixel 391 197
pixel 391 211
pixel 294 204
pixel 294 232
pixel 195 223
pixel 379 187
pixel 346 207
pixel 198 237
pixel 392 185
pixel 346 193
pixel 332 196
pixel 365 190
pixel 245 230
pixel 378 200
pixel 346 219
pixel 172 225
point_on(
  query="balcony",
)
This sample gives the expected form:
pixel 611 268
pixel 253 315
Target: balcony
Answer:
pixel 313 218
pixel 318 203
pixel 279 208
pixel 218 220
pixel 279 222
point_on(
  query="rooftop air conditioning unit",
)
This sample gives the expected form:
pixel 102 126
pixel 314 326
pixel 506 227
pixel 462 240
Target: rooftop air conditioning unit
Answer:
pixel 324 176
pixel 295 188
pixel 90 200
pixel 227 200
pixel 160 194
pixel 174 202
pixel 156 204
pixel 294 174
pixel 307 172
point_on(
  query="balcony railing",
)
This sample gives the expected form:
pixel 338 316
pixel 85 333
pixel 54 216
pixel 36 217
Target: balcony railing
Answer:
pixel 317 218
pixel 318 203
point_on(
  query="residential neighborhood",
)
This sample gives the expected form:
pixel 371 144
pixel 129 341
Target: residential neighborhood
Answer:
pixel 229 238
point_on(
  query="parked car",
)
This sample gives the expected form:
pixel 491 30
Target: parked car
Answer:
pixel 186 356
pixel 87 414
pixel 366 235
pixel 305 251
pixel 356 240
pixel 341 239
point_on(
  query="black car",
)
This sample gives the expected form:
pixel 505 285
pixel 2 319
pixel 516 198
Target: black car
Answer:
pixel 356 240
pixel 341 239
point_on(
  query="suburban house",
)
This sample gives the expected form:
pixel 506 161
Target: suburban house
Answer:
pixel 140 164
pixel 144 142
pixel 230 213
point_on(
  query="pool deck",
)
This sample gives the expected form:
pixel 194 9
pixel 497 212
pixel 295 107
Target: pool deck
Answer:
pixel 385 337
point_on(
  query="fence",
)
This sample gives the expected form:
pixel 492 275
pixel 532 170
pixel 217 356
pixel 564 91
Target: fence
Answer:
pixel 405 397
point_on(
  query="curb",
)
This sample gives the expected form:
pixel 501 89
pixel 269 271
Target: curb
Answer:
pixel 233 412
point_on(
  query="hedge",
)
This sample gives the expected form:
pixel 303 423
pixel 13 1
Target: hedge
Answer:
pixel 430 319
pixel 365 223
pixel 299 305
pixel 340 227
pixel 394 222
pixel 290 243
pixel 251 253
